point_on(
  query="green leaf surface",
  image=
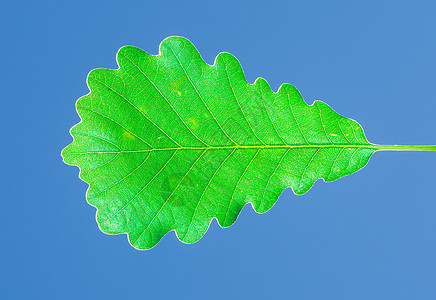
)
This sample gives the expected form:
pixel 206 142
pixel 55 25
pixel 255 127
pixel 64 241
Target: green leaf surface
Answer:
pixel 168 142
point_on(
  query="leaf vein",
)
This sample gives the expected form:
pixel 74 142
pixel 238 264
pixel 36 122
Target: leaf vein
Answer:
pixel 239 105
pixel 166 201
pixel 305 169
pixel 115 122
pixel 237 183
pixel 296 121
pixel 333 164
pixel 122 179
pixel 167 101
pixel 269 117
pixel 269 179
pixel 136 108
pixel 210 180
pixel 201 98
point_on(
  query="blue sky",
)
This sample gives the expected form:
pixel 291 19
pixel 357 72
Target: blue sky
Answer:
pixel 371 235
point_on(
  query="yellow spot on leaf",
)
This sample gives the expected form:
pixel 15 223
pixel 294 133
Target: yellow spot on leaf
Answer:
pixel 193 123
pixel 128 134
pixel 175 89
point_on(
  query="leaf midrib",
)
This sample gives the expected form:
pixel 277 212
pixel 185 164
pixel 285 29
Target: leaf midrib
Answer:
pixel 370 146
pixel 316 146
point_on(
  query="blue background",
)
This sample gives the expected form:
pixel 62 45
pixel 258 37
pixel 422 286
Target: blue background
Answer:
pixel 370 235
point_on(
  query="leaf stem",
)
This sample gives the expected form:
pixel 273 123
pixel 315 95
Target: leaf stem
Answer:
pixel 404 148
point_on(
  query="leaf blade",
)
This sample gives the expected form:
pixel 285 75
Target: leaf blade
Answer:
pixel 168 142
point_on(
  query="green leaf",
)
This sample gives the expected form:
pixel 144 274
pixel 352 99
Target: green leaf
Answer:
pixel 168 142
